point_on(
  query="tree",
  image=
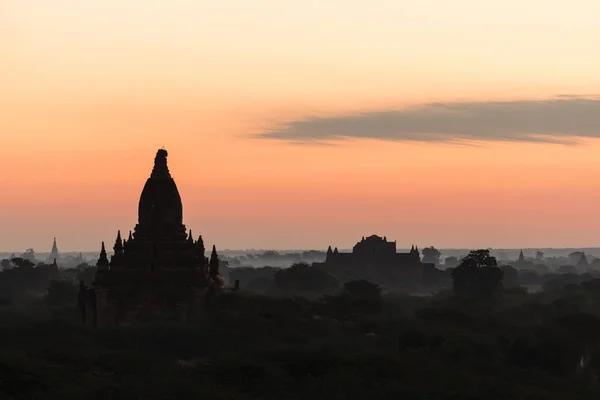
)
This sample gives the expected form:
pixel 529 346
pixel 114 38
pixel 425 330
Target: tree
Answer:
pixel 23 263
pixel 303 280
pixel 478 276
pixel 358 297
pixel 29 255
pixel 5 264
pixel 541 268
pixel 574 257
pixel 451 262
pixel 362 289
pixel 431 255
pixel 567 269
pixel 61 292
pixel 510 277
pixel 86 273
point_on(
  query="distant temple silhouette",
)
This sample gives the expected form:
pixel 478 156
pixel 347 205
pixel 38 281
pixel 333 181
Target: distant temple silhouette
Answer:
pixel 159 271
pixel 54 256
pixel 376 258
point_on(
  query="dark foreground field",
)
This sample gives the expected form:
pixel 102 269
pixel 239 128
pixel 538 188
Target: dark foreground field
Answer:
pixel 252 347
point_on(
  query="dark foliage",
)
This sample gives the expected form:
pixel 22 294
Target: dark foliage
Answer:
pixel 354 343
pixel 478 276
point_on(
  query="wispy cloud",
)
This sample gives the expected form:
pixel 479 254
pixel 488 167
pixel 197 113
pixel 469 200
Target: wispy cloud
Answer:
pixel 560 120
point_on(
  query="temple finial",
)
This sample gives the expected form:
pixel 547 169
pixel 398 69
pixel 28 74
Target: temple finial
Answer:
pixel 118 248
pixel 160 165
pixel 103 260
pixel 214 262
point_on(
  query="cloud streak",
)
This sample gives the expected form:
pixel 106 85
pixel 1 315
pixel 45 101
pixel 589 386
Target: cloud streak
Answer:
pixel 560 120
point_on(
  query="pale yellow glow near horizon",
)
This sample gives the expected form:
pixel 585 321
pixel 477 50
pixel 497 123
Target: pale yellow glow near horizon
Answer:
pixel 90 90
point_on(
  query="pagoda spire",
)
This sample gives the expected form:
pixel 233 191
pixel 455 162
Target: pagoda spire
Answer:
pixel 130 237
pixel 521 256
pixel 103 260
pixel 160 169
pixel 214 262
pixel 190 237
pixel 329 251
pixel 200 244
pixel 583 262
pixel 118 248
pixel 54 251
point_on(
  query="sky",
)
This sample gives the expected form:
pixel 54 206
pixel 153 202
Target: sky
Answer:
pixel 462 123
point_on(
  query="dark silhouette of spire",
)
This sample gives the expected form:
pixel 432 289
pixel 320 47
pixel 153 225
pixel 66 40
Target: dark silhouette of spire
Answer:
pixel 160 208
pixel 335 251
pixel 54 252
pixel 130 237
pixel 521 256
pixel 118 248
pixel 190 237
pixel 160 169
pixel 214 262
pixel 583 262
pixel 329 250
pixel 103 260
pixel 200 245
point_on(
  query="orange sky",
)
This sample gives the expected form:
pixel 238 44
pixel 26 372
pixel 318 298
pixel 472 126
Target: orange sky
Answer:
pixel 91 91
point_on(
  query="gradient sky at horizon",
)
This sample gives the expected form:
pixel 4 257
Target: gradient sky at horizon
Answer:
pixel 89 90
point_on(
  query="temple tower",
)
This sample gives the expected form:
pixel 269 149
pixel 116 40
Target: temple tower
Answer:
pixel 159 271
pixel 54 254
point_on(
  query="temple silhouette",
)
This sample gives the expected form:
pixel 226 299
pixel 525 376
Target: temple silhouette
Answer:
pixel 159 272
pixel 54 255
pixel 376 258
